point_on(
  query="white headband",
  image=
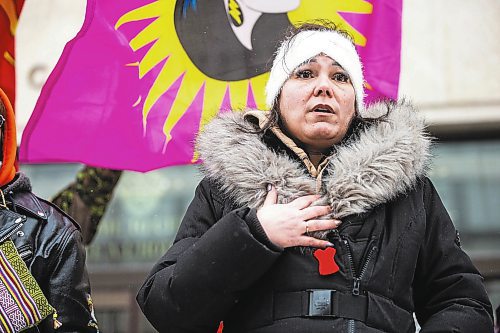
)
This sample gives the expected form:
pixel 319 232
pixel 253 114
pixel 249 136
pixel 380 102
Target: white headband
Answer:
pixel 306 45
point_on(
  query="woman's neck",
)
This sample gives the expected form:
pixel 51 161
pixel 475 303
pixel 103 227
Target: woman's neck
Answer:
pixel 315 157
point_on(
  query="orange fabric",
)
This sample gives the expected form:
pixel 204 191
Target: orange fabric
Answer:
pixel 9 149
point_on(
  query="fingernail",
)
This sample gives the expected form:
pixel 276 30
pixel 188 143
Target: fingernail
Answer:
pixel 338 222
pixel 329 244
pixel 269 187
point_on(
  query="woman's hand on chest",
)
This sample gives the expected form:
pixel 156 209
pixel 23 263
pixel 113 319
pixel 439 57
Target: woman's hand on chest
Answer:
pixel 288 225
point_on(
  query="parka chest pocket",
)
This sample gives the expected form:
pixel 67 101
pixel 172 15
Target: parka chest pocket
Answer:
pixel 406 250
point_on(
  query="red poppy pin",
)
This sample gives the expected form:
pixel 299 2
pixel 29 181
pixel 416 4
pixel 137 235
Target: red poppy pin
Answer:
pixel 326 260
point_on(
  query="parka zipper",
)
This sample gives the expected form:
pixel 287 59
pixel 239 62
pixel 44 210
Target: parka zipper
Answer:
pixel 15 227
pixel 356 278
pixel 350 326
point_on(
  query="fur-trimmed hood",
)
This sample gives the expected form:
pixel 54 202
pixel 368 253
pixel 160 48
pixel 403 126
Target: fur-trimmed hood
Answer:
pixel 384 160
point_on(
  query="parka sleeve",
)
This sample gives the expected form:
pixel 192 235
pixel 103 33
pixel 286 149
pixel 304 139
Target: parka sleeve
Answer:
pixel 213 259
pixel 69 288
pixel 449 292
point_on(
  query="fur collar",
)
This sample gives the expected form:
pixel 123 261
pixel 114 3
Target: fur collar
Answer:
pixel 383 161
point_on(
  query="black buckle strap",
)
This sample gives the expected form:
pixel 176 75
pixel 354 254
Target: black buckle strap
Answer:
pixel 320 303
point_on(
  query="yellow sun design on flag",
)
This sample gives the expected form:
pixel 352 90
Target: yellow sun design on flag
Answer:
pixel 164 45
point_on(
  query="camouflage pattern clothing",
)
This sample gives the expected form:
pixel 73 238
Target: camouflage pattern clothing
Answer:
pixel 87 197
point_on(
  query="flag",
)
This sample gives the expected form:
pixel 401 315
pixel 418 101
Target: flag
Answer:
pixel 142 77
pixel 9 15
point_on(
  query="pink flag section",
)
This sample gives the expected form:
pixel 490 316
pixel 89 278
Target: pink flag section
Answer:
pixel 139 80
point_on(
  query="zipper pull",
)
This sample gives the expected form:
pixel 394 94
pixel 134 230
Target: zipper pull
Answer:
pixel 355 287
pixel 56 322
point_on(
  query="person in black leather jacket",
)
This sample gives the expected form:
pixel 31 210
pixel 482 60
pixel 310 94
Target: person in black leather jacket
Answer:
pixel 48 241
pixel 316 216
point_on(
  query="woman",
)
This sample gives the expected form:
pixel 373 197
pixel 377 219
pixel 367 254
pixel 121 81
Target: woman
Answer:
pixel 316 216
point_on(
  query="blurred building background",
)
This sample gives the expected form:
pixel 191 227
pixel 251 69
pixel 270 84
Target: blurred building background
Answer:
pixel 450 70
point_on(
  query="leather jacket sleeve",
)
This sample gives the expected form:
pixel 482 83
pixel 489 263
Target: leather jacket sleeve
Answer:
pixel 449 292
pixel 59 266
pixel 69 289
pixel 214 258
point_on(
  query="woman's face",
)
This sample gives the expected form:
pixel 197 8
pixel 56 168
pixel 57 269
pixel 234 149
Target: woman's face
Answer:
pixel 317 104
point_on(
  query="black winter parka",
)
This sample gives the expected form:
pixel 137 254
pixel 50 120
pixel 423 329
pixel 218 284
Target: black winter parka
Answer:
pixel 397 250
pixel 50 243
